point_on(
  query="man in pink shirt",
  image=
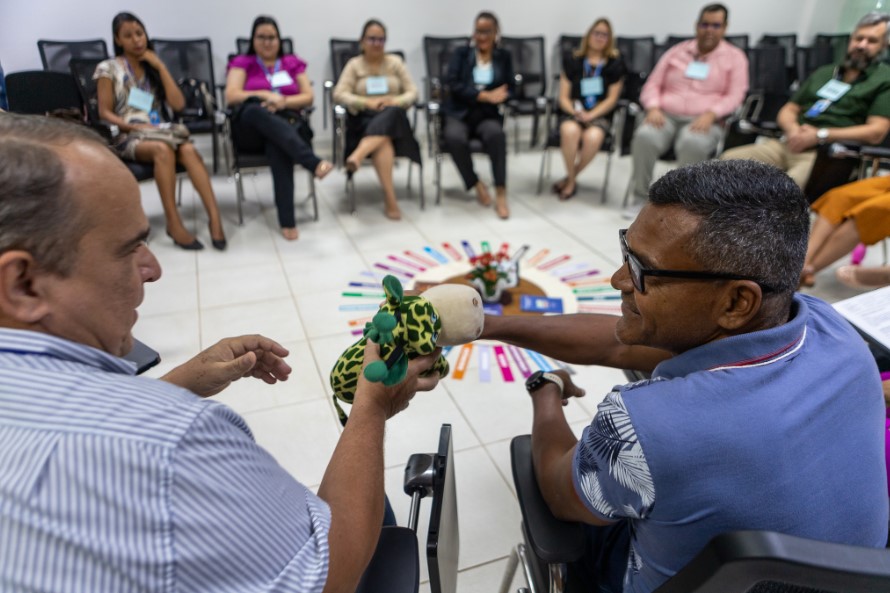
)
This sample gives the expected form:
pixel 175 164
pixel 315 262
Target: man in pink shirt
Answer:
pixel 695 85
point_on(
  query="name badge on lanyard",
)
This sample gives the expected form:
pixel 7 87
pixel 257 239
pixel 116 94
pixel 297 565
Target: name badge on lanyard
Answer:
pixel 483 76
pixel 818 108
pixel 281 79
pixel 697 70
pixel 833 90
pixel 592 86
pixel 139 99
pixel 376 85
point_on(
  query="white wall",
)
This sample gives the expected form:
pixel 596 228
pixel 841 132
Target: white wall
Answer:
pixel 312 22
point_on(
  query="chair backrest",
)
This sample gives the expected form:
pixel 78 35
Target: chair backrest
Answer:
pixel 673 40
pixel 789 42
pixel 38 92
pixel 342 50
pixel 740 41
pixel 437 55
pixel 567 46
pixel 443 538
pixel 528 62
pixel 764 561
pixel 55 55
pixel 243 44
pixel 766 72
pixel 638 53
pixel 187 58
pixel 82 70
pixel 813 57
pixel 838 43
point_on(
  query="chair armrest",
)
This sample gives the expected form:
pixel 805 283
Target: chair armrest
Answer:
pixel 553 540
pixel 327 98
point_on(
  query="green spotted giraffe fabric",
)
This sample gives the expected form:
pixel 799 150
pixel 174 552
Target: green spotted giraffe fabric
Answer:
pixel 405 327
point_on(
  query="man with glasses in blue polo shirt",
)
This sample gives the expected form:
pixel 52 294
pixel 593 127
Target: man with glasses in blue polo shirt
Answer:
pixel 764 408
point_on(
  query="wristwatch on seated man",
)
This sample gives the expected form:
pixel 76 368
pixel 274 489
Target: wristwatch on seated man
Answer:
pixel 540 378
pixel 822 135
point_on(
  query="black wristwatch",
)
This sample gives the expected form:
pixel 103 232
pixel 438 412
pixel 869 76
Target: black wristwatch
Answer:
pixel 537 380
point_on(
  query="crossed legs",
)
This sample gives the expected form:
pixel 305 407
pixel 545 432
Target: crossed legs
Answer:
pixel 382 154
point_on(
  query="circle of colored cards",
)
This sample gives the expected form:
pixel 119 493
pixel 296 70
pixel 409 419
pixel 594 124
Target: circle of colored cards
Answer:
pixel 569 286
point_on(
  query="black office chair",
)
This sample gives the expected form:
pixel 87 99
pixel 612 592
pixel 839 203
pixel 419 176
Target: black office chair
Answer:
pixel 394 567
pixel 734 562
pixel 190 62
pixel 673 40
pixel 638 54
pixel 55 55
pixel 813 57
pixel 768 91
pixel 39 92
pixel 530 73
pixel 838 42
pixel 789 42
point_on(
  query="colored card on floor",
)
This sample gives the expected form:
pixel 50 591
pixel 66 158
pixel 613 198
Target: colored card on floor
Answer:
pixel 492 308
pixel 538 304
pixel 504 364
pixel 463 360
pixel 520 361
pixel 539 360
pixel 484 364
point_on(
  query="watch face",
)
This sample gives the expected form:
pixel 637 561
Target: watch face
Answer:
pixel 534 380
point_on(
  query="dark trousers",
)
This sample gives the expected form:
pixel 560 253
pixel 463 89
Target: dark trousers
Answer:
pixel 604 563
pixel 256 130
pixel 490 131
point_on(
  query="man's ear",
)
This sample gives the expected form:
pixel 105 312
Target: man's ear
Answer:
pixel 21 295
pixel 741 303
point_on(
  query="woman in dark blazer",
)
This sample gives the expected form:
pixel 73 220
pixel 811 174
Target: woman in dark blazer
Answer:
pixel 479 82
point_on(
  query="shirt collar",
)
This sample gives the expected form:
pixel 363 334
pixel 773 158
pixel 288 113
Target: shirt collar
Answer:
pixel 744 350
pixel 17 341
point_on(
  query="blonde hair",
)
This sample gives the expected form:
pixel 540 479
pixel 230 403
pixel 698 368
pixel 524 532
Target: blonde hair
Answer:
pixel 610 50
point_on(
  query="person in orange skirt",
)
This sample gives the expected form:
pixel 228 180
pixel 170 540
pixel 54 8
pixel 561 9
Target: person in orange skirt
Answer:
pixel 854 213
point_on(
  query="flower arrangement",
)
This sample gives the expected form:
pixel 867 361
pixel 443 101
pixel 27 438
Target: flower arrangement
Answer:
pixel 490 274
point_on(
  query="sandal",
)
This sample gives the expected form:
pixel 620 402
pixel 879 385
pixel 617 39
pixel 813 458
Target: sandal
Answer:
pixel 559 185
pixel 564 195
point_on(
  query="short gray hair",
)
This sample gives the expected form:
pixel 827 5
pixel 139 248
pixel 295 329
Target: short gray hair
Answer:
pixel 38 212
pixel 754 219
pixel 875 18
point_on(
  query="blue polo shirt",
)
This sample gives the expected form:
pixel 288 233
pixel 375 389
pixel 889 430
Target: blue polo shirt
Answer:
pixel 780 429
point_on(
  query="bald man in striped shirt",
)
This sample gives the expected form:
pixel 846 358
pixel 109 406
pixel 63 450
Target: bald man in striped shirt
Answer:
pixel 112 482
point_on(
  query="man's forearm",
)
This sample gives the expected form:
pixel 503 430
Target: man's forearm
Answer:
pixel 578 339
pixel 353 488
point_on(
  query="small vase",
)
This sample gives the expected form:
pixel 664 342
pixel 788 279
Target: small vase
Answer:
pixel 491 293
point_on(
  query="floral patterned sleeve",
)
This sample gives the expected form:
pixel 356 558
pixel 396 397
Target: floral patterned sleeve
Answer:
pixel 611 474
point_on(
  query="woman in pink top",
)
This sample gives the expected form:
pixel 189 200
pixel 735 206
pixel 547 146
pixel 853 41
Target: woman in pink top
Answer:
pixel 269 89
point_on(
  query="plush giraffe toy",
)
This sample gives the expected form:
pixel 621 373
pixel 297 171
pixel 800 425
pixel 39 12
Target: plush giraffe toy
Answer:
pixel 406 327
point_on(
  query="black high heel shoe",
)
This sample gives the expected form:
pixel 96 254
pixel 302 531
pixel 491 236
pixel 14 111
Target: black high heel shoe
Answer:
pixel 218 244
pixel 193 246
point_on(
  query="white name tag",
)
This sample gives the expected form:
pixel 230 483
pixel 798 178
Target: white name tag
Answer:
pixel 697 70
pixel 376 85
pixel 483 76
pixel 280 79
pixel 139 99
pixel 833 90
pixel 592 86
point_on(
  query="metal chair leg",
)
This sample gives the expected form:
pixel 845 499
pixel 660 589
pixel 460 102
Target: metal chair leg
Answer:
pixel 606 180
pixel 545 154
pixel 438 179
pixel 239 192
pixel 350 192
pixel 420 183
pixel 510 572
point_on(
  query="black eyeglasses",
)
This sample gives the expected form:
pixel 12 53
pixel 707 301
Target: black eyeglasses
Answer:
pixel 638 272
pixel 715 26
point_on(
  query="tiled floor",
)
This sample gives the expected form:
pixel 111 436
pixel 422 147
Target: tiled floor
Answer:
pixel 291 292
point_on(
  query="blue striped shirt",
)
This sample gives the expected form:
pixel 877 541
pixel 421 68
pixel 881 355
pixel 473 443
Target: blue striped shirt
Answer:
pixel 112 482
